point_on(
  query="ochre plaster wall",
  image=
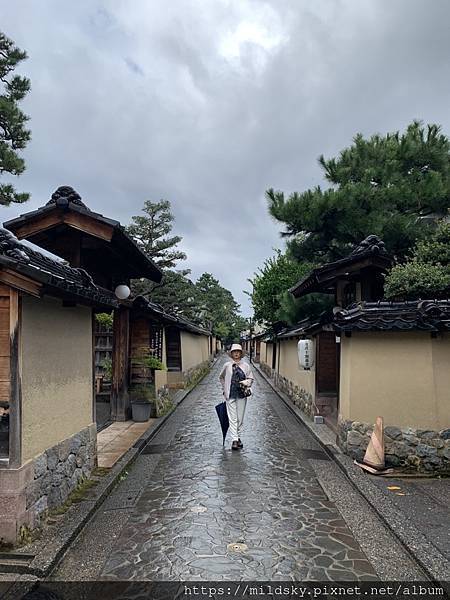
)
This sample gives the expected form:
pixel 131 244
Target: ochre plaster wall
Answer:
pixel 57 379
pixel 194 349
pixel 290 368
pixel 403 377
pixel 269 354
pixel 263 353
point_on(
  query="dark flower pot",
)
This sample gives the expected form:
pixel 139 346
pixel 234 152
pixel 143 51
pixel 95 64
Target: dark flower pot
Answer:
pixel 142 411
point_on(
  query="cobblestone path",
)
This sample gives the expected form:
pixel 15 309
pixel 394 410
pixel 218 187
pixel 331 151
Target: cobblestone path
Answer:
pixel 187 499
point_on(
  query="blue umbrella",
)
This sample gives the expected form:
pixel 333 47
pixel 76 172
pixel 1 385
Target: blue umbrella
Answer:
pixel 222 413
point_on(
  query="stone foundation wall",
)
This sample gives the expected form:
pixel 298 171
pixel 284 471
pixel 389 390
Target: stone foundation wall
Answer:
pixel 298 395
pixel 266 369
pixel 191 375
pixel 163 401
pixel 58 470
pixel 419 450
pixel 26 494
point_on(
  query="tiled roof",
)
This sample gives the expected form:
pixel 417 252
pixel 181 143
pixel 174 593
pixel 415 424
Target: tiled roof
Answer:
pixel 422 315
pixel 371 247
pixel 67 199
pixel 308 326
pixel 140 302
pixel 53 274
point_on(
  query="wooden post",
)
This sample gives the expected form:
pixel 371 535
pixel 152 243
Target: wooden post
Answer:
pixel 120 401
pixel 15 405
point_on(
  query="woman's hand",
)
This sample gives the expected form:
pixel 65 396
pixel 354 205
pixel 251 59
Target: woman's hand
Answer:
pixel 247 382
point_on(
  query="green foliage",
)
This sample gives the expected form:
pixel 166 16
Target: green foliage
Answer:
pixel 427 273
pixel 142 393
pixel 292 310
pixel 380 186
pixel 13 134
pixel 105 319
pixel 218 308
pixel 149 361
pixel 151 232
pixel 270 283
pixel 164 404
pixel 176 294
pixel 106 365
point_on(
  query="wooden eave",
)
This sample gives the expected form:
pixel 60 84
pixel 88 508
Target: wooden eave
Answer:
pixel 47 218
pixel 34 225
pixel 324 278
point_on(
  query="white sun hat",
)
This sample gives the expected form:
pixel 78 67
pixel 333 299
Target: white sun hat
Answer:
pixel 236 347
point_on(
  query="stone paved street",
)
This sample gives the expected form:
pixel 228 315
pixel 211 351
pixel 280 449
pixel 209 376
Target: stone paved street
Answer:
pixel 186 499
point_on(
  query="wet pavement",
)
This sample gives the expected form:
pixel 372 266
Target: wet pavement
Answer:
pixel 190 509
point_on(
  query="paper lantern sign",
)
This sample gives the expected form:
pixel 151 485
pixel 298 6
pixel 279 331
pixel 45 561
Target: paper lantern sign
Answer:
pixel 305 349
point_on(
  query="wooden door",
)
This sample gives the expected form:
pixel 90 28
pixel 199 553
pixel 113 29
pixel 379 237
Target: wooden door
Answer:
pixel 173 349
pixel 326 363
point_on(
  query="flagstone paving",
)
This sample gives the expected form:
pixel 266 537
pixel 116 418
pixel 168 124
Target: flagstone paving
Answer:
pixel 191 509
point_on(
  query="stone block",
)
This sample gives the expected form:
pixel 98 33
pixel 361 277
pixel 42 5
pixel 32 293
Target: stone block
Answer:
pixel 71 465
pixel 52 458
pixel 426 434
pixel 54 497
pixel 412 440
pixel 74 444
pixel 64 489
pixel 40 465
pixel 393 432
pixel 40 506
pixel 63 450
pixel 400 449
pixel 392 460
pixel 33 492
pixel 409 431
pixel 445 434
pixel 84 436
pixel 355 438
pixel 75 479
pixel 425 451
pixel 437 442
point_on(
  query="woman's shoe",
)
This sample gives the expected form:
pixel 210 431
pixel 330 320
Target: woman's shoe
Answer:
pixel 235 445
pixel 240 444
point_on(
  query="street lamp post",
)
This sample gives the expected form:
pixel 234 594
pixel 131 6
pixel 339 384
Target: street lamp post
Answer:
pixel 251 341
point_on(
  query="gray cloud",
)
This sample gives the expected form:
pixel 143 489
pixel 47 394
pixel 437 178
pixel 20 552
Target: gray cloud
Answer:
pixel 208 104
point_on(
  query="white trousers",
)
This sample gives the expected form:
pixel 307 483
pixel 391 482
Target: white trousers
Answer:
pixel 236 411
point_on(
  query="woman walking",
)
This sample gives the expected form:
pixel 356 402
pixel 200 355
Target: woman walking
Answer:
pixel 236 377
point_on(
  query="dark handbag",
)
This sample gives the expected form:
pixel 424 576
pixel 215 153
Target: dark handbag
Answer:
pixel 245 390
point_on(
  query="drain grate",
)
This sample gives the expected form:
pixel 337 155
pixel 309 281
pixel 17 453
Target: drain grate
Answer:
pixel 314 454
pixel 155 449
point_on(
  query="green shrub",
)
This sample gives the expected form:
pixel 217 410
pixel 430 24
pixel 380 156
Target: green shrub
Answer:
pixel 105 319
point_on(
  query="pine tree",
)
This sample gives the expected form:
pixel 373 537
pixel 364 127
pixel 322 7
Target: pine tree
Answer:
pixel 13 134
pixel 380 185
pixel 151 232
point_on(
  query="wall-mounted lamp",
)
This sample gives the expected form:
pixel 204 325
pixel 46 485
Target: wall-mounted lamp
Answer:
pixel 122 292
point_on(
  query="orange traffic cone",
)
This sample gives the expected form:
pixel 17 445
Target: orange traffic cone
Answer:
pixel 373 460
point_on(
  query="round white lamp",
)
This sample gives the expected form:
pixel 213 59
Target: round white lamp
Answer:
pixel 122 292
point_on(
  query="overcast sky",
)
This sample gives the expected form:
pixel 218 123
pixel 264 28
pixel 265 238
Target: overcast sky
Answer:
pixel 207 103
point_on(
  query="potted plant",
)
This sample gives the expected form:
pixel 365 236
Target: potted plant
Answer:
pixel 143 403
